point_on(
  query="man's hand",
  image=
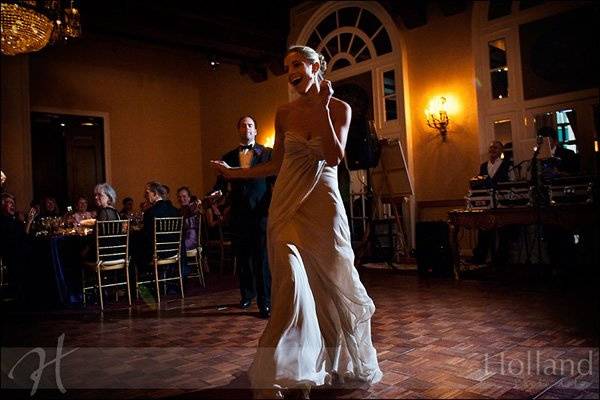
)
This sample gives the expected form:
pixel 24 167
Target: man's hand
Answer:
pixel 224 169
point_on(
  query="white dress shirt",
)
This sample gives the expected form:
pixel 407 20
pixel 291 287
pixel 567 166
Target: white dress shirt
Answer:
pixel 492 167
pixel 246 156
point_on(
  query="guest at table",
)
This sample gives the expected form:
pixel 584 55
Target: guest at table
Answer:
pixel 106 198
pixel 127 210
pixel 46 209
pixel 49 207
pixel 81 211
pixel 190 212
pixel 14 245
pixel 155 194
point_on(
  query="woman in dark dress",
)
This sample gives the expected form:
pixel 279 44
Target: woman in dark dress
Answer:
pixel 106 198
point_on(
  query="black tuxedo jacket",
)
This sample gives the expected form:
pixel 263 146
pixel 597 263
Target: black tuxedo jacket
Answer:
pixel 247 196
pixel 501 175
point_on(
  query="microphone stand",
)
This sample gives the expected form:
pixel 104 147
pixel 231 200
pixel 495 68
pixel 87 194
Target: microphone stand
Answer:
pixel 537 196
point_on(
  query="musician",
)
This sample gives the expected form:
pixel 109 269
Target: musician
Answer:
pixel 563 162
pixel 496 168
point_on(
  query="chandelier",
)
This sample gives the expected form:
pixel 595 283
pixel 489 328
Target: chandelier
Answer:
pixel 29 25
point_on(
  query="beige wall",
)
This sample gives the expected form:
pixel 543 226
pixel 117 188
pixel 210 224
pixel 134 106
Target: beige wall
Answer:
pixel 152 100
pixel 440 63
pixel 15 144
pixel 169 114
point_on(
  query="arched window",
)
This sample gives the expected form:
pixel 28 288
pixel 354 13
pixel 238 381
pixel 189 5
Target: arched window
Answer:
pixel 360 43
pixel 350 36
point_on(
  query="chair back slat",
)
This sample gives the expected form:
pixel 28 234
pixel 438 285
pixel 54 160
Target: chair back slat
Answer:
pixel 167 237
pixel 112 240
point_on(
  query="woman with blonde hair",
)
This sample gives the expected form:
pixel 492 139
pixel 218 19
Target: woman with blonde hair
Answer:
pixel 320 327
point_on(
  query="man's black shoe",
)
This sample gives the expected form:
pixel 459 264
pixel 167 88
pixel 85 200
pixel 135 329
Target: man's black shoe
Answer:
pixel 245 304
pixel 265 312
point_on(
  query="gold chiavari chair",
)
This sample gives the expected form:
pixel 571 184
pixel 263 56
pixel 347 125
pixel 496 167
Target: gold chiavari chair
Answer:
pixel 195 256
pixel 112 254
pixel 166 252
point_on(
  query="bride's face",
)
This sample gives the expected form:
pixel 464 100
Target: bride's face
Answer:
pixel 301 72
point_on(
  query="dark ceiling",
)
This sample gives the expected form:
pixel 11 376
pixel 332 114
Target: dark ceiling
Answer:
pixel 252 34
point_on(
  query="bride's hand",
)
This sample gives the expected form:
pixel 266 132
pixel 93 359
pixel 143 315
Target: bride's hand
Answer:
pixel 325 92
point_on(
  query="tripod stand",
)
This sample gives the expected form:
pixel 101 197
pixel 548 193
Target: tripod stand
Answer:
pixel 388 182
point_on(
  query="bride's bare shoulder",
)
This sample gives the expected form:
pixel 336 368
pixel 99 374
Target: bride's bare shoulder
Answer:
pixel 339 107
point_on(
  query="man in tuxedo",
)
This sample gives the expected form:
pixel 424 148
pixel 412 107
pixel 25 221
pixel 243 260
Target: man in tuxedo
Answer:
pixel 249 199
pixel 496 168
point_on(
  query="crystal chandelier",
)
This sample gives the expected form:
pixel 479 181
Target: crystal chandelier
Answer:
pixel 29 25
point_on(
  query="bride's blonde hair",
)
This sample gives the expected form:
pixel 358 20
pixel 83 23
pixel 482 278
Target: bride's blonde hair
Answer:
pixel 312 56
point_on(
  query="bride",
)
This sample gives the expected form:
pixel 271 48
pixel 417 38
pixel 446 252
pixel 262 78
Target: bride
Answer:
pixel 320 327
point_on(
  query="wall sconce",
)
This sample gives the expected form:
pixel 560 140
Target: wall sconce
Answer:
pixel 437 117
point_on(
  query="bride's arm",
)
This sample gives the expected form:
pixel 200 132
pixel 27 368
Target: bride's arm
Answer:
pixel 268 168
pixel 335 122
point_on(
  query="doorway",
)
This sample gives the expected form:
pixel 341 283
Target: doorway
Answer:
pixel 67 156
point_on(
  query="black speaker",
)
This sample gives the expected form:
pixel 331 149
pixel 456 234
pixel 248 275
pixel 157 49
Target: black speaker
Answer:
pixel 384 238
pixel 433 252
pixel 362 146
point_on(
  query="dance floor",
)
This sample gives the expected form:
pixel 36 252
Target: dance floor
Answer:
pixel 436 338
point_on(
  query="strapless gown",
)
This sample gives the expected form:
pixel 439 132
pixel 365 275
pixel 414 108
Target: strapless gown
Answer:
pixel 321 313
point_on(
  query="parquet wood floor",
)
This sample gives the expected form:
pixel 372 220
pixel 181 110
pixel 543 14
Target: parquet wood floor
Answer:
pixel 436 338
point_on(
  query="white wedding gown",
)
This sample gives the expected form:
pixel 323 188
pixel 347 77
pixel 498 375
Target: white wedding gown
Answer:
pixel 321 313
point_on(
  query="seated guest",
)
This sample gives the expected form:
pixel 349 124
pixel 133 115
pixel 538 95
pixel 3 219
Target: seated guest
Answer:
pixel 495 168
pixel 216 213
pixel 49 208
pixel 106 198
pixel 190 212
pixel 155 194
pixel 127 210
pixel 13 245
pixel 81 211
pixel 563 162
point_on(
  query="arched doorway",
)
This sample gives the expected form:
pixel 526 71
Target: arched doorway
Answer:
pixel 365 54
